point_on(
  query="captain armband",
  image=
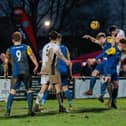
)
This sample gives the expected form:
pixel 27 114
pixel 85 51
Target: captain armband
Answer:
pixel 29 50
pixel 110 51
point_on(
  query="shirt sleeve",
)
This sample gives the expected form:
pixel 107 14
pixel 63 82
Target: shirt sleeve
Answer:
pixel 56 48
pixel 29 50
pixel 44 55
pixel 68 54
pixel 110 51
pixel 101 56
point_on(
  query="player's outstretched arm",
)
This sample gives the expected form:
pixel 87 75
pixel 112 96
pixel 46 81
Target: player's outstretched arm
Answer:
pixel 92 39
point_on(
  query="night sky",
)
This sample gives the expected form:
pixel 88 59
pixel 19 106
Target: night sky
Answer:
pixel 69 17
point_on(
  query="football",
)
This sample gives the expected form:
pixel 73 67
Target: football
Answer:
pixel 95 25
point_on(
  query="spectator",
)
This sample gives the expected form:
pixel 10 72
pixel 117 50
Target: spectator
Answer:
pixel 123 71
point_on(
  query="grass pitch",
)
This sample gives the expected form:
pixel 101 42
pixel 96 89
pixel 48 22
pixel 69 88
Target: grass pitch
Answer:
pixel 88 112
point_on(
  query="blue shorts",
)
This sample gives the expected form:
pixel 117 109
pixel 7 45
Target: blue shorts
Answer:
pixel 25 78
pixel 64 80
pixel 112 73
pixel 115 77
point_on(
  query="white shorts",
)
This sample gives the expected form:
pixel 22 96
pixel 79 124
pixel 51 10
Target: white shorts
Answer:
pixel 45 79
pixel 53 79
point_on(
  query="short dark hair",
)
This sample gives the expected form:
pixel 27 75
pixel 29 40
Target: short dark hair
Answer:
pixel 101 34
pixel 112 28
pixel 53 35
pixel 16 36
pixel 122 41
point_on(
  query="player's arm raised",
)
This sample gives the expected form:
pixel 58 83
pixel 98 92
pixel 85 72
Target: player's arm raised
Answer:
pixel 33 58
pixel 92 39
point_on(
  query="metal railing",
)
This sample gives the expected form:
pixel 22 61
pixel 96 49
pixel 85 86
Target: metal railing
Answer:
pixel 21 94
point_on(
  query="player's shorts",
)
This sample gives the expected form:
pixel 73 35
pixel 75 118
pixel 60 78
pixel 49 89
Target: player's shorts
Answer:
pixel 112 73
pixel 53 78
pixel 100 67
pixel 115 76
pixel 25 78
pixel 64 80
pixel 45 79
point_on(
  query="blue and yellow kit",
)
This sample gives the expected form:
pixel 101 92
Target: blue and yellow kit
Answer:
pixel 18 55
pixel 100 66
pixel 112 55
pixel 62 67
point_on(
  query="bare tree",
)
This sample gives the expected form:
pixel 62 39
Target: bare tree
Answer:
pixel 56 11
pixel 60 13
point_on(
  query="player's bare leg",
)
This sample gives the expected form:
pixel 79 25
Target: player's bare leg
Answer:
pixel 102 89
pixel 59 98
pixel 44 98
pixel 44 87
pixel 114 94
pixel 109 89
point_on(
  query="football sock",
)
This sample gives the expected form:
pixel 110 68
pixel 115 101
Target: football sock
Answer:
pixel 92 82
pixel 9 102
pixel 69 96
pixel 30 100
pixel 44 98
pixel 102 89
pixel 114 93
pixel 60 99
pixel 39 97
